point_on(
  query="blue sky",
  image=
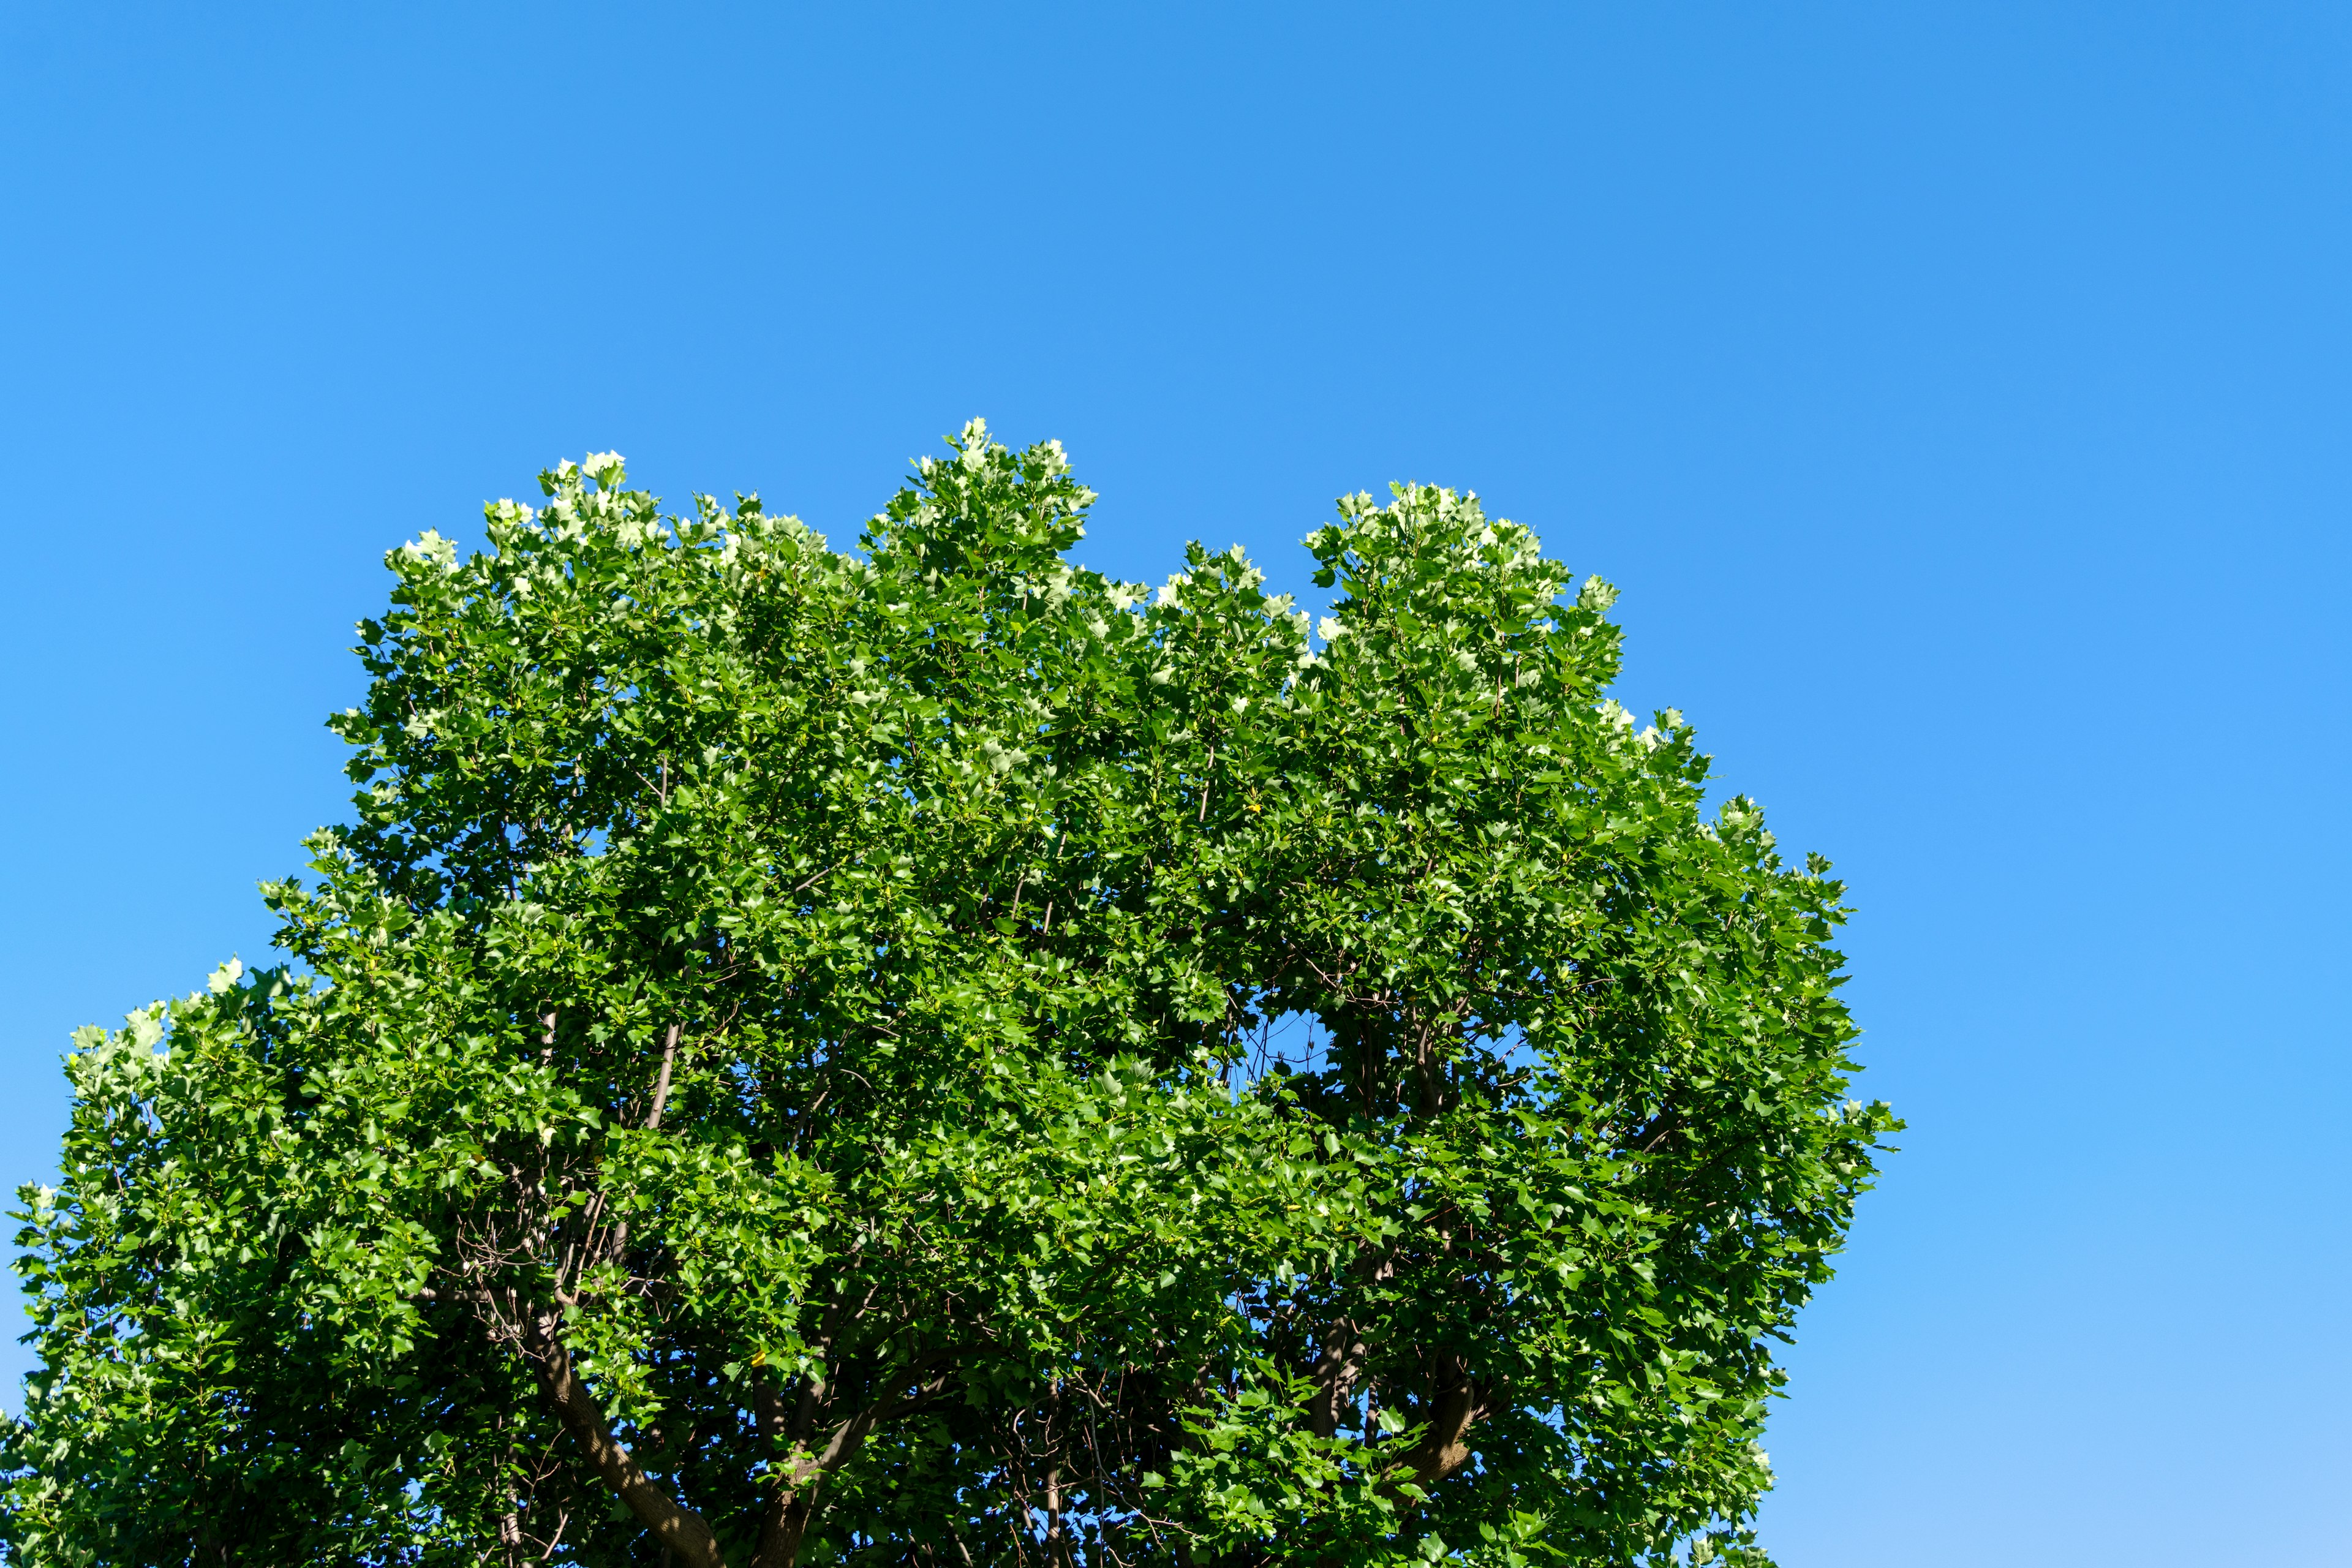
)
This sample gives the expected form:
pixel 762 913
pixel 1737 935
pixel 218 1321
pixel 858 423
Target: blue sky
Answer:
pixel 1958 395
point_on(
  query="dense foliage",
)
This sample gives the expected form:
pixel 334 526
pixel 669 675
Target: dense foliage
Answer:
pixel 941 1057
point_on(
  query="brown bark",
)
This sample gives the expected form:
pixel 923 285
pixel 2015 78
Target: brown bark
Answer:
pixel 792 1500
pixel 780 1530
pixel 661 1083
pixel 792 1503
pixel 1441 1450
pixel 680 1529
pixel 1336 1370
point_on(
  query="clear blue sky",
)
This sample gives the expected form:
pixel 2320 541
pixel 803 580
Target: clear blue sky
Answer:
pixel 1959 397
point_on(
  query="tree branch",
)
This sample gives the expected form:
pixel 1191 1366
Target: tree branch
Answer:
pixel 681 1532
pixel 1336 1370
pixel 661 1083
pixel 791 1499
pixel 1441 1450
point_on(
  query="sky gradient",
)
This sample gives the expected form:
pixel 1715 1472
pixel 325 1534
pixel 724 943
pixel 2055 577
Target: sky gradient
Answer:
pixel 1958 394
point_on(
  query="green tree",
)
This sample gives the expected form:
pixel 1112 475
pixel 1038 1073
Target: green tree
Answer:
pixel 941 1057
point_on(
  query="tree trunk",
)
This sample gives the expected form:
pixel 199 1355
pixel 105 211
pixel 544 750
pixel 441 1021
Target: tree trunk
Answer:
pixel 1441 1450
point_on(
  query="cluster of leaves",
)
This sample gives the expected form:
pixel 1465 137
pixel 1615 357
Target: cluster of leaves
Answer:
pixel 943 1056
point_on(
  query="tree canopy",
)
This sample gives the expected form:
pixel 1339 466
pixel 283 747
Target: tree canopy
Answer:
pixel 937 1055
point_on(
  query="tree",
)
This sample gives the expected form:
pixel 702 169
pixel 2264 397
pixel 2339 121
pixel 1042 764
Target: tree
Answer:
pixel 935 1058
